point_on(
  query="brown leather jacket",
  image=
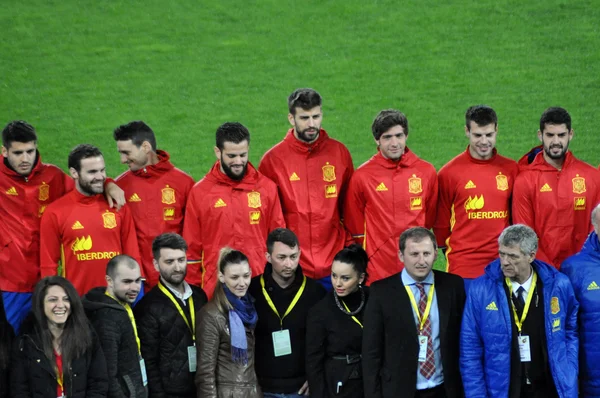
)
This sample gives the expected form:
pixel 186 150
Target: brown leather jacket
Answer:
pixel 217 376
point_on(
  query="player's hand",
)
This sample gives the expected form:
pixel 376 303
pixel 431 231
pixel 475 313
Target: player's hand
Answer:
pixel 304 389
pixel 115 196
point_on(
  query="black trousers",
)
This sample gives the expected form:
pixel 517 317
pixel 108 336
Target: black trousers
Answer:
pixel 435 392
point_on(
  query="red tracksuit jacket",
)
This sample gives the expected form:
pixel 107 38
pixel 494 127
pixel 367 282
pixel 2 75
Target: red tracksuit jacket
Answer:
pixel 82 233
pixel 156 196
pixel 312 181
pixel 473 209
pixel 385 198
pixel 557 204
pixel 23 203
pixel 223 212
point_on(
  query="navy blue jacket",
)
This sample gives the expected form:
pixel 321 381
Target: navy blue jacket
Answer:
pixel 486 334
pixel 583 269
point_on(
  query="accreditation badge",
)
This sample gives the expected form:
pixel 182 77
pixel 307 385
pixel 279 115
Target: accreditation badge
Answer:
pixel 282 345
pixel 423 348
pixel 192 362
pixel 524 349
pixel 143 369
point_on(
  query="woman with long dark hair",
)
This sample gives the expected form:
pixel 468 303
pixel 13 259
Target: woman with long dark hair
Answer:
pixel 225 333
pixel 57 353
pixel 6 338
pixel 334 329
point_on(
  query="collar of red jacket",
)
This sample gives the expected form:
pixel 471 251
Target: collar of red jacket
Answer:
pixel 539 163
pixel 6 169
pixel 407 159
pixel 248 183
pixel 84 199
pixel 305 147
pixel 479 161
pixel 164 164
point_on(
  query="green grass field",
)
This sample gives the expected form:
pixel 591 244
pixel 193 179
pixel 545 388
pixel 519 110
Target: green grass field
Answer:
pixel 78 69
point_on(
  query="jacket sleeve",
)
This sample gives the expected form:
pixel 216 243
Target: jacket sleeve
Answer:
pixel 431 200
pixel 149 334
pixel 441 227
pixel 354 210
pixel 97 375
pixel 50 242
pixel 276 219
pixel 373 346
pixel 19 373
pixel 471 349
pixel 207 336
pixel 192 233
pixel 128 236
pixel 572 332
pixel 109 335
pixel 316 336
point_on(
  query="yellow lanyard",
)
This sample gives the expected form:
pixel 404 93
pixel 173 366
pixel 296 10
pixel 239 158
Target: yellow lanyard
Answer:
pixel 292 304
pixel 411 296
pixel 353 317
pixel 519 322
pixel 59 379
pixel 131 318
pixel 192 327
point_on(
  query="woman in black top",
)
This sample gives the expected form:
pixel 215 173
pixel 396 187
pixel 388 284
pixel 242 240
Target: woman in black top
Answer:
pixel 334 329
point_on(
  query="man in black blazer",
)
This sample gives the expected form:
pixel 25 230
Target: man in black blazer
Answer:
pixel 412 327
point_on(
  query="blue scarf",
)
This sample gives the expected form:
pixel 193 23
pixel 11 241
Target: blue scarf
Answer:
pixel 243 313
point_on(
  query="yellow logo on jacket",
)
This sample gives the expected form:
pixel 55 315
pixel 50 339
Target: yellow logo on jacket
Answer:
pixel 501 182
pixel 220 203
pixel 474 203
pixel 44 192
pixel 168 195
pixel 135 198
pixel 110 221
pixel 328 172
pixel 255 217
pixel 41 210
pixel 416 203
pixel 554 306
pixel 578 184
pixel 168 213
pixel 470 185
pixel 546 188
pixel 579 203
pixel 414 185
pixel 82 244
pixel 77 225
pixel 254 200
pixel 331 191
pixel 381 187
pixel 294 177
pixel 12 191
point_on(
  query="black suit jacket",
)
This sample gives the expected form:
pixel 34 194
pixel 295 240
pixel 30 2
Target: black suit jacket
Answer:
pixel 390 345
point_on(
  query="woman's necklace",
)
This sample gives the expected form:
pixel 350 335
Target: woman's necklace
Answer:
pixel 356 311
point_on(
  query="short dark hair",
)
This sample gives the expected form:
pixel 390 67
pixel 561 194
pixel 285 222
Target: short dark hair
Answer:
pixel 482 115
pixel 137 132
pixel 19 131
pixel 113 263
pixel 169 240
pixel 80 152
pixel 555 115
pixel 356 256
pixel 387 119
pixel 416 234
pixel 283 235
pixel 231 132
pixel 305 98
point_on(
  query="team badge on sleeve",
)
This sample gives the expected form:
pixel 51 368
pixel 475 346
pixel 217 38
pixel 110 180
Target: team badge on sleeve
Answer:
pixel 501 182
pixel 554 306
pixel 168 195
pixel 110 221
pixel 254 200
pixel 328 172
pixel 578 184
pixel 414 185
pixel 44 192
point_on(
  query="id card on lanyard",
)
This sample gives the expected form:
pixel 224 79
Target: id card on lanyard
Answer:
pixel 423 340
pixel 524 343
pixel 192 363
pixel 282 344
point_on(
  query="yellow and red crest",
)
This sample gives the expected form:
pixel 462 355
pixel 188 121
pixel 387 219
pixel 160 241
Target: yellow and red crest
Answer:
pixel 579 203
pixel 501 182
pixel 414 185
pixel 328 172
pixel 331 191
pixel 416 203
pixel 254 200
pixel 44 192
pixel 578 184
pixel 168 195
pixel 110 221
pixel 255 217
pixel 554 306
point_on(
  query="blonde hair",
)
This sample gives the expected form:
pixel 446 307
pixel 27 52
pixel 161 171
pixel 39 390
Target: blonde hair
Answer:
pixel 227 256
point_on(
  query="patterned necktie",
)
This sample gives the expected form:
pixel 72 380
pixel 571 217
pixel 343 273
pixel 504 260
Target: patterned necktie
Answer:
pixel 427 368
pixel 519 301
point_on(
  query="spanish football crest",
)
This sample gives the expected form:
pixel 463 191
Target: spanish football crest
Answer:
pixel 328 172
pixel 44 192
pixel 578 184
pixel 501 182
pixel 554 306
pixel 414 185
pixel 254 200
pixel 168 195
pixel 110 221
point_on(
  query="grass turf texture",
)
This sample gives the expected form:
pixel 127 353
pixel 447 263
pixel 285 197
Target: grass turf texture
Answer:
pixel 78 69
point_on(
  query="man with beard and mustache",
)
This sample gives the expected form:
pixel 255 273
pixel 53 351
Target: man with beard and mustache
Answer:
pixel 109 310
pixel 555 192
pixel 233 205
pixel 312 172
pixel 391 192
pixel 79 231
pixel 166 319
